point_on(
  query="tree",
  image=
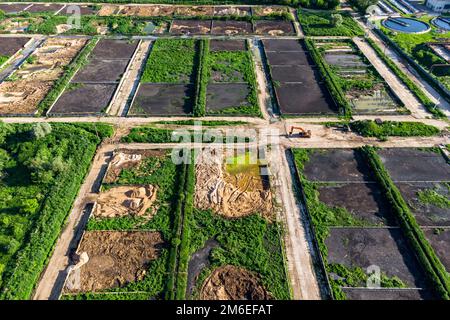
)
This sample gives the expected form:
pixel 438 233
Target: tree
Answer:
pixel 336 20
pixel 40 130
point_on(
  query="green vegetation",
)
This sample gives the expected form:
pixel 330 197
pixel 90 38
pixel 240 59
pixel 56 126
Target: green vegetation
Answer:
pixel 425 253
pixel 170 61
pixel 369 128
pixel 320 4
pixel 430 196
pixel 415 46
pixel 205 123
pixel 331 80
pixel 362 5
pixel 3 59
pixel 62 82
pixel 201 80
pixel 428 104
pixel 320 23
pixel 41 169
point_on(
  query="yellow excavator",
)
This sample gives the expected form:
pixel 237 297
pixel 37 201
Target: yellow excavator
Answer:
pixel 302 133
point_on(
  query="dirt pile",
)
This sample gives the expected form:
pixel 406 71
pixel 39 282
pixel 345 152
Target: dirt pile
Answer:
pixel 192 11
pixel 233 195
pixel 109 10
pixel 126 200
pixel 115 259
pixel 35 78
pixel 126 159
pixel 148 11
pixel 233 283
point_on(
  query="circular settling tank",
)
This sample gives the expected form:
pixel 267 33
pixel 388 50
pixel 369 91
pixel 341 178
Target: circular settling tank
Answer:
pixel 406 25
pixel 441 23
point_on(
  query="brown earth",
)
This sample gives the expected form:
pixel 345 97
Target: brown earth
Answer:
pixel 115 259
pixel 192 11
pixel 126 200
pixel 268 10
pixel 233 283
pixel 32 81
pixel 230 195
pixel 148 11
pixel 108 10
pixel 126 159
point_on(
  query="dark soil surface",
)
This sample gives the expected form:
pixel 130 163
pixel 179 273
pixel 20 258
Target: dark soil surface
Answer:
pixel 274 28
pixel 337 165
pixel 363 200
pixel 84 100
pixel 282 45
pixel 233 283
pixel 163 99
pixel 227 45
pixel 387 294
pixel 231 27
pixel 199 261
pixel 300 74
pixel 191 27
pixel 9 45
pixel 116 258
pixel 44 7
pixel 408 164
pixel 288 58
pixel 220 96
pixel 299 99
pixel 114 49
pixel 426 214
pixel 84 10
pixel 102 71
pixel 383 247
pixel 440 241
pixel 13 8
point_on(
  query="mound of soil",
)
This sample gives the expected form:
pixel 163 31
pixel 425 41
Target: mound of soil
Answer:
pixel 126 200
pixel 231 195
pixel 115 259
pixel 126 159
pixel 233 283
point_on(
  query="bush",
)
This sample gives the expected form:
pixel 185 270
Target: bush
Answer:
pixel 320 24
pixel 369 128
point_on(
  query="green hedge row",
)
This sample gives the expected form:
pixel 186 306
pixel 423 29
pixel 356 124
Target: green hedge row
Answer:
pixel 428 104
pixel 330 80
pixel 202 78
pixel 20 278
pixel 69 71
pixel 433 267
pixel 184 251
pixel 369 128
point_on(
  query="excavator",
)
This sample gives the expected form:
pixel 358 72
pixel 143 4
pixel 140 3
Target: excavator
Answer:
pixel 302 133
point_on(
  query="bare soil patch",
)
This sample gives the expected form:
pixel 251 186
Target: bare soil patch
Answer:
pixel 13 7
pixel 221 96
pixel 192 11
pixel 426 214
pixel 148 11
pixel 48 7
pixel 383 247
pixel 363 200
pixel 282 45
pixel 233 283
pixel 387 294
pixel 163 99
pixel 127 159
pixel 126 200
pixel 10 45
pixel 232 195
pixel 231 27
pixel 268 10
pixel 109 10
pixel 84 99
pixel 115 258
pixel 337 165
pixel 227 45
pixel 274 28
pixel 190 27
pixel 236 11
pixel 290 58
pixel 408 164
pixel 114 49
pixel 33 80
pixel 440 241
pixel 102 71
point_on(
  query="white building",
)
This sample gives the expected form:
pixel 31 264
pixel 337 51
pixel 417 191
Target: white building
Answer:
pixel 439 5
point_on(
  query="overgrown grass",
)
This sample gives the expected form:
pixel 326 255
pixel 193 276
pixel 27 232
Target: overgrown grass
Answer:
pixel 431 196
pixel 319 23
pixel 170 61
pixel 369 128
pixel 42 171
pixel 3 59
